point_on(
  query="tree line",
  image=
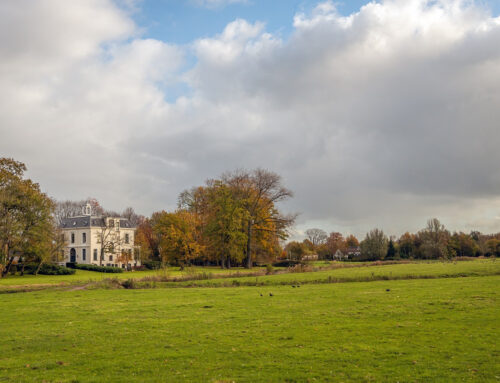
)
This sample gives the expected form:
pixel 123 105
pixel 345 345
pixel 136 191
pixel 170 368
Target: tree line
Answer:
pixel 432 242
pixel 231 220
pixel 228 221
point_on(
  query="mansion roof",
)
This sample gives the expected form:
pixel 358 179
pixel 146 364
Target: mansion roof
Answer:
pixel 88 221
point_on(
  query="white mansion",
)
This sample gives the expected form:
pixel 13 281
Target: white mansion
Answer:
pixel 99 240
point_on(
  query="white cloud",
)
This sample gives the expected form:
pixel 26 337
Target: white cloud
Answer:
pixel 385 117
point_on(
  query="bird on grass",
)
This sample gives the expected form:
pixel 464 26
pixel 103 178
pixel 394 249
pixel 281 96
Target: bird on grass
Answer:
pixel 271 295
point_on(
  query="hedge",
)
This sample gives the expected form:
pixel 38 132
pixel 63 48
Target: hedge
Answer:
pixel 46 269
pixel 286 263
pixel 100 269
pixel 152 265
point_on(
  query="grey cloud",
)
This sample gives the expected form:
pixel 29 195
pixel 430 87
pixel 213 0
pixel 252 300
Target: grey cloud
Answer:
pixel 386 117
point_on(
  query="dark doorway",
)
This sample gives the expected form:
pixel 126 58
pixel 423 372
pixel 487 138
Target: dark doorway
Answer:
pixel 72 255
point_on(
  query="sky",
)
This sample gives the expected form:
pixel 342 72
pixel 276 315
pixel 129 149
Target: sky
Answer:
pixel 376 114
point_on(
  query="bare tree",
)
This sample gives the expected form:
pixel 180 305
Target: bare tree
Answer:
pixel 134 218
pixel 66 209
pixel 316 236
pixel 108 237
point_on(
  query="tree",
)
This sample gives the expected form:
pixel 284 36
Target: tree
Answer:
pixel 434 240
pixel 406 245
pixel 178 240
pixel 351 241
pixel 316 236
pixel 47 247
pixel 295 250
pixel 147 240
pixel 108 237
pixel 66 209
pixel 134 218
pixel 374 246
pixel 226 217
pixel 493 246
pixel 334 242
pixel 462 245
pixel 26 224
pixel 391 250
pixel 260 191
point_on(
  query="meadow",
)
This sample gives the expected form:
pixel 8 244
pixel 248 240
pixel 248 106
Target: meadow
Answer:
pixel 83 276
pixel 414 330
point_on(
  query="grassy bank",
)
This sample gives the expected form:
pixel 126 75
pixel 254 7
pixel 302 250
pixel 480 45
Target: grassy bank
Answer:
pixel 333 272
pixel 349 273
pixel 83 276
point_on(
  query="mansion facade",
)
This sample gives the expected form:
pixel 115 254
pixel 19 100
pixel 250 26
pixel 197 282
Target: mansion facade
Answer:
pixel 99 240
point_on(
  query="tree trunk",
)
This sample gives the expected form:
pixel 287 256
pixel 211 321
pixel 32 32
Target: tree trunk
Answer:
pixel 249 240
pixel 101 256
pixel 228 262
pixel 22 268
pixel 38 268
pixel 7 267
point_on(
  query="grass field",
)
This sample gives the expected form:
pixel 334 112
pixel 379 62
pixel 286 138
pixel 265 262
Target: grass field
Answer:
pixel 416 330
pixel 83 276
pixel 360 274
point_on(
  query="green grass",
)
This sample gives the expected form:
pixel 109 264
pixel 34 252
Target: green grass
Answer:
pixel 347 272
pixel 479 267
pixel 439 330
pixel 83 276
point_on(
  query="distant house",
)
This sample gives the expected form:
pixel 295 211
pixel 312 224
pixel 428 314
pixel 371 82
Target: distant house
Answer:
pixel 339 255
pixel 350 253
pixel 353 252
pixel 85 234
pixel 310 257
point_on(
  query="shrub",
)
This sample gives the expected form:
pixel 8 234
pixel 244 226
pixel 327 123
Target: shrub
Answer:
pixel 129 284
pixel 46 269
pixel 152 265
pixel 269 269
pixel 100 269
pixel 286 263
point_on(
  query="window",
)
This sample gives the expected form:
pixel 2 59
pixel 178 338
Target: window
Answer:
pixel 127 238
pixel 72 237
pixel 111 258
pixel 111 223
pixel 84 254
pixel 95 254
pixel 117 223
pixel 84 237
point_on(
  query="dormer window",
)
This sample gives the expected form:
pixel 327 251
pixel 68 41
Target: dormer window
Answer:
pixel 87 209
